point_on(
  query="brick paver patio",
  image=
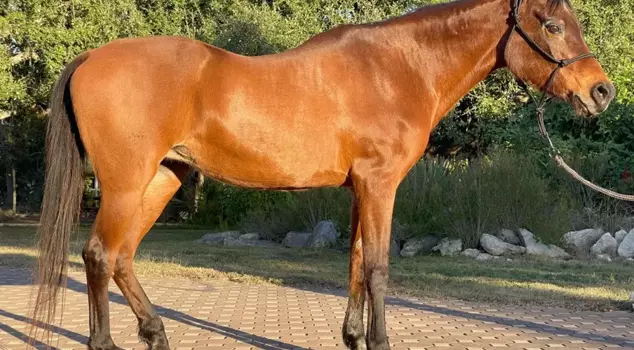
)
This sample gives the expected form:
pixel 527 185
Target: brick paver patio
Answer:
pixel 225 315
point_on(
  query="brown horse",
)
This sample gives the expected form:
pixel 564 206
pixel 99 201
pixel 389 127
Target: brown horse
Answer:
pixel 352 107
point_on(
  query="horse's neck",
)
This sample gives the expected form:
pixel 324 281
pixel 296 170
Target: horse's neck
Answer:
pixel 459 45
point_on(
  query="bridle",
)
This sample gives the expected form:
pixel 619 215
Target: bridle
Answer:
pixel 541 103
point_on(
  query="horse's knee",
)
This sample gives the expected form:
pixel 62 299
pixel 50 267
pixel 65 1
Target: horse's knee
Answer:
pixel 376 279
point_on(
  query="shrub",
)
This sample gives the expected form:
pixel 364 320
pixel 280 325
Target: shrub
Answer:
pixel 299 211
pixel 465 199
pixel 421 201
pixel 223 206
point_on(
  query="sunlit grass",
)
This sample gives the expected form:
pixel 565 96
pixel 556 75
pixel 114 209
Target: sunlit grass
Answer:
pixel 171 253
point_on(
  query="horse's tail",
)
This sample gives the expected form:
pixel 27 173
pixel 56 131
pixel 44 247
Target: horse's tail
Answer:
pixel 64 178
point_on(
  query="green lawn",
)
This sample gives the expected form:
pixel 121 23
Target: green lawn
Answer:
pixel 170 252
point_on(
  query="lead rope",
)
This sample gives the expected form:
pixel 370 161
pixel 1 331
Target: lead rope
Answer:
pixel 556 155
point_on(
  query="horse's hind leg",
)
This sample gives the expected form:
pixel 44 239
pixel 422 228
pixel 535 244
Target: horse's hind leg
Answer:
pixel 163 186
pixel 115 218
pixel 130 202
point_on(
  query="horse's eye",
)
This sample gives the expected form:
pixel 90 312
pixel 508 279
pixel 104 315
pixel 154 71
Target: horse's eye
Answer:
pixel 553 28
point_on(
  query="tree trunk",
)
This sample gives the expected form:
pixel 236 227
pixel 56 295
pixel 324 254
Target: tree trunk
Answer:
pixel 11 200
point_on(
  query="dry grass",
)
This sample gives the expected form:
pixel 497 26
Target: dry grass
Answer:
pixel 169 252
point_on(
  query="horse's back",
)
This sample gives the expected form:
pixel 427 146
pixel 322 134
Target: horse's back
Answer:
pixel 145 96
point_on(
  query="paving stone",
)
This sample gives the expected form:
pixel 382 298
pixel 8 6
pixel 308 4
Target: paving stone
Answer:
pixel 226 315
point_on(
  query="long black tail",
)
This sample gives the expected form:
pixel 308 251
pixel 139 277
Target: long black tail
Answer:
pixel 64 178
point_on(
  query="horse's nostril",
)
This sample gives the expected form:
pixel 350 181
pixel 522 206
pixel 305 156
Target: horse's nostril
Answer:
pixel 603 93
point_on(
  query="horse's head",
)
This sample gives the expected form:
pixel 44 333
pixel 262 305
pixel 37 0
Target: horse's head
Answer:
pixel 557 36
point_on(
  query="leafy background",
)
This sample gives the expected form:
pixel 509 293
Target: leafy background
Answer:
pixel 486 146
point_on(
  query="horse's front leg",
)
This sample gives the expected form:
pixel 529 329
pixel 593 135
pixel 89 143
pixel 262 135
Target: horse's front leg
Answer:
pixel 353 331
pixel 375 200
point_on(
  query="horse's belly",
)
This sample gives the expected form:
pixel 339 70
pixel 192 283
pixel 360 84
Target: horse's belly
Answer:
pixel 261 155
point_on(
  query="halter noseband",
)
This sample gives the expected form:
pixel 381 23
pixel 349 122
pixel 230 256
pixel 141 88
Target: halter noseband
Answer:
pixel 541 103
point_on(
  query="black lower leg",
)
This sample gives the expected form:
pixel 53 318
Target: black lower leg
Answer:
pixel 97 277
pixel 353 330
pixel 151 329
pixel 377 289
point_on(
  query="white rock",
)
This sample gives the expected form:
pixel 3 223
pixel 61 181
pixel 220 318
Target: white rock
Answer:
pixel 250 237
pixel 619 235
pixel 471 253
pixel 324 235
pixel 606 245
pixel 237 242
pixel 533 247
pixel 321 241
pixel 555 252
pixel 579 242
pixel 495 246
pixel 509 236
pixel 297 239
pixel 604 257
pixel 484 257
pixel 326 228
pixel 218 238
pixel 448 247
pixel 626 248
pixel 417 246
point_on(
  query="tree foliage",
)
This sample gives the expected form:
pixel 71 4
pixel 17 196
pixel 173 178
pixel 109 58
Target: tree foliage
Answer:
pixel 38 37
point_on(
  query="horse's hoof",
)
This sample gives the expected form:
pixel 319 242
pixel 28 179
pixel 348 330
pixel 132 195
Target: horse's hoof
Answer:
pixel 152 333
pixel 355 344
pixel 160 344
pixel 354 340
pixel 359 345
pixel 381 346
pixel 105 343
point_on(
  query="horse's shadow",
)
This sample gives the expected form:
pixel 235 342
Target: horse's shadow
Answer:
pixel 80 287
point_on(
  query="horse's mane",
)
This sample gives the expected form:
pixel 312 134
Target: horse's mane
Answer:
pixel 553 4
pixel 335 34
